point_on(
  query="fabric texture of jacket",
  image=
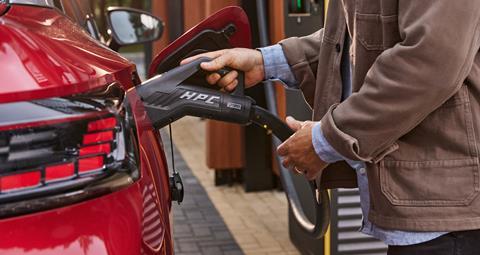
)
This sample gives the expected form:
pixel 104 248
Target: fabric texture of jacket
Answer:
pixel 414 115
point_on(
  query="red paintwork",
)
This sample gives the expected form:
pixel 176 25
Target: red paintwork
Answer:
pixel 228 15
pixel 152 153
pixel 107 225
pixel 3 8
pixel 43 54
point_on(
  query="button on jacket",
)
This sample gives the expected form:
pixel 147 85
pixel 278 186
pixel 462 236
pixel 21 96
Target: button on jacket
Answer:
pixel 415 108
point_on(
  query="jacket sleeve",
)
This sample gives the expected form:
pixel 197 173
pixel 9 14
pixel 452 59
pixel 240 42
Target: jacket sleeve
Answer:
pixel 302 56
pixel 440 39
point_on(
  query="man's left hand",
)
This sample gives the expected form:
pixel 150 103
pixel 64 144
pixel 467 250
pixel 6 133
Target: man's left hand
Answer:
pixel 298 152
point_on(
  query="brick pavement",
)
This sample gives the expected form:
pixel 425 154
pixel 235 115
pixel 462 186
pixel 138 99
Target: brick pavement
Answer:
pixel 257 221
pixel 198 227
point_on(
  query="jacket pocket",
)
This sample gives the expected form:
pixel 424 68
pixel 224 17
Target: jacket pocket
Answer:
pixel 430 183
pixel 376 31
pixel 437 162
pixel 447 133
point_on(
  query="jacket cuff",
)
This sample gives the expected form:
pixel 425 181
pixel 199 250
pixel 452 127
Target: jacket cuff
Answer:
pixel 276 65
pixel 346 145
pixel 300 67
pixel 322 147
pixel 343 143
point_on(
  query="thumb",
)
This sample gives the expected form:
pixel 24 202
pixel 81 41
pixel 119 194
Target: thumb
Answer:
pixel 217 63
pixel 293 123
pixel 212 55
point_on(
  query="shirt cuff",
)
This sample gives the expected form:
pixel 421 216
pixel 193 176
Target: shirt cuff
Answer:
pixel 323 149
pixel 276 65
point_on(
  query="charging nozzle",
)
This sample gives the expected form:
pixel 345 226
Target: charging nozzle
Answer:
pixel 172 95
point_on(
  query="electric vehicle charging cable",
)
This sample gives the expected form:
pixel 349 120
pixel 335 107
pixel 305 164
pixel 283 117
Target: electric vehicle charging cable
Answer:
pixel 169 96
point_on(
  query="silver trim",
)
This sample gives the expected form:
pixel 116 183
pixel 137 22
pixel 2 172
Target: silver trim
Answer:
pixel 43 3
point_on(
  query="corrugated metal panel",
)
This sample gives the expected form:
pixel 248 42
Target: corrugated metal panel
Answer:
pixel 346 221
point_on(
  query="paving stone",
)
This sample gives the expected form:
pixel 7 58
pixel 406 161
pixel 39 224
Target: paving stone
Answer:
pixel 257 221
pixel 232 253
pixel 198 227
pixel 188 247
pixel 202 232
pixel 212 250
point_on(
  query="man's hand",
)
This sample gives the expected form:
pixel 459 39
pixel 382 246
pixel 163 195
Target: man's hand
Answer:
pixel 246 60
pixel 298 152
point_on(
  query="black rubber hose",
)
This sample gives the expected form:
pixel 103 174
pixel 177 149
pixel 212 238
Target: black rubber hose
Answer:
pixel 264 41
pixel 322 205
pixel 282 132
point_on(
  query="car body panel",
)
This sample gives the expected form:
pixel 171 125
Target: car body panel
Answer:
pixel 77 229
pixel 153 165
pixel 44 54
pixel 52 56
pixel 217 21
pixel 110 224
pixel 3 8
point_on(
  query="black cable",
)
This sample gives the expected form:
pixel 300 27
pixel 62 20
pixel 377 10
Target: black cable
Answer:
pixel 321 206
pixel 171 148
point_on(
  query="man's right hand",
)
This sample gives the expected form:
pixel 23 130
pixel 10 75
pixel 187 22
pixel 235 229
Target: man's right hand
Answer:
pixel 242 59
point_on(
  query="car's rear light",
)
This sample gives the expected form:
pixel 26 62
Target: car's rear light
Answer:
pixel 59 172
pixel 20 181
pixel 97 137
pixel 102 124
pixel 90 164
pixel 36 154
pixel 96 149
pixel 59 145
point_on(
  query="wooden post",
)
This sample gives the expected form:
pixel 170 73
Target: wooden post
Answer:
pixel 224 141
pixel 277 33
pixel 224 146
pixel 159 9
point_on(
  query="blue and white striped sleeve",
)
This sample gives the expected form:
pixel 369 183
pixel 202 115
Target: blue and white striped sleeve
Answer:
pixel 276 65
pixel 323 149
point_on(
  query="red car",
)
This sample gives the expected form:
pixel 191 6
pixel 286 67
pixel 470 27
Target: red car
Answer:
pixel 82 171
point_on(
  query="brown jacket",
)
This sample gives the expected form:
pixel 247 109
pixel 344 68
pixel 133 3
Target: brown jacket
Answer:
pixel 414 115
